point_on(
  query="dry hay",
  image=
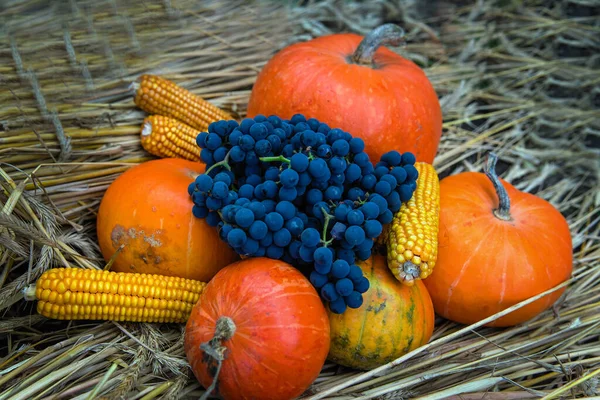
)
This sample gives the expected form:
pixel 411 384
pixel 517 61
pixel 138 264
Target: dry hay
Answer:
pixel 520 78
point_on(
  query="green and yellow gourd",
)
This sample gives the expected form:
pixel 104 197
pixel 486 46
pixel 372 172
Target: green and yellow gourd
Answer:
pixel 393 320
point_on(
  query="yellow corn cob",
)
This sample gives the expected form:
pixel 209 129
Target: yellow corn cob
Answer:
pixel 413 234
pixel 168 137
pixel 74 293
pixel 156 95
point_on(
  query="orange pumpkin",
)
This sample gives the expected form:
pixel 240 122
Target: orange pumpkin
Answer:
pixel 393 320
pixel 148 210
pixel 258 331
pixel 353 83
pixel 498 246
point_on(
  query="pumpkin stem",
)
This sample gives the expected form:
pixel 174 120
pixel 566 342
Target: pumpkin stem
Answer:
pixel 387 34
pixel 503 210
pixel 215 350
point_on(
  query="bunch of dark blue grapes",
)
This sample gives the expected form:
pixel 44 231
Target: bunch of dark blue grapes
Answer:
pixel 299 191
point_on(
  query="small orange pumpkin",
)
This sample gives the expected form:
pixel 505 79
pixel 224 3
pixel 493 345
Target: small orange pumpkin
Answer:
pixel 148 211
pixel 394 320
pixel 498 246
pixel 258 331
pixel 355 84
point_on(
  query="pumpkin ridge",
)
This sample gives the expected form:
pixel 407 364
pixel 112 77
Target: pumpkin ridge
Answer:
pixel 419 289
pixel 189 242
pixel 505 267
pixel 364 321
pixel 463 270
pixel 526 239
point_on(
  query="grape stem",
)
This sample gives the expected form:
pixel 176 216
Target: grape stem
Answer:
pixel 275 159
pixel 224 163
pixel 328 218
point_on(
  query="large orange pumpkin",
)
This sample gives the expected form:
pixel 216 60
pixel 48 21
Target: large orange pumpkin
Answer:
pixel 149 211
pixel 352 83
pixel 393 320
pixel 264 323
pixel 498 246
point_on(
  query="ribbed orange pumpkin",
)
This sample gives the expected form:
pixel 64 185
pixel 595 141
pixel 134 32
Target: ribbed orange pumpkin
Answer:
pixel 498 246
pixel 350 82
pixel 266 326
pixel 148 210
pixel 393 320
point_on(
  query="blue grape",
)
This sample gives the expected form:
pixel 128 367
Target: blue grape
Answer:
pixel 212 219
pixel 355 235
pixel 318 280
pixel 337 165
pixel 318 168
pixel 289 178
pixel 244 217
pixel 258 131
pixel 201 139
pixel 274 221
pixel 258 230
pixel 353 173
pixel 392 158
pixel 408 158
pixel 220 154
pixel 199 211
pixel 263 147
pixel 400 175
pixel 204 183
pixel 282 237
pixel 288 194
pixel 411 172
pixel 333 193
pixel 370 210
pixel 355 217
pixel 405 192
pixel 258 208
pixel 250 247
pixel 373 228
pixel 340 148
pixel 267 240
pixel 236 154
pixel 340 268
pixel 328 292
pixel 299 162
pixel 213 204
pixel 247 143
pixel 355 273
pixel 344 287
pixel 246 191
pixel 354 300
pixel 236 237
pixel 213 141
pixel 386 217
pixel 306 253
pixel 295 226
pixel 362 285
pixel 220 190
pixel 338 306
pixel 275 252
pixel 314 196
pixel 383 188
pixel 286 209
pixel 310 237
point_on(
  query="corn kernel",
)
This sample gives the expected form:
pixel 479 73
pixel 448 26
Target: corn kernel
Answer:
pixel 107 295
pixel 180 116
pixel 412 236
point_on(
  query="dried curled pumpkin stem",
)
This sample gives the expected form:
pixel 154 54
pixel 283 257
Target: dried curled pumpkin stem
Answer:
pixel 387 34
pixel 503 210
pixel 214 349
